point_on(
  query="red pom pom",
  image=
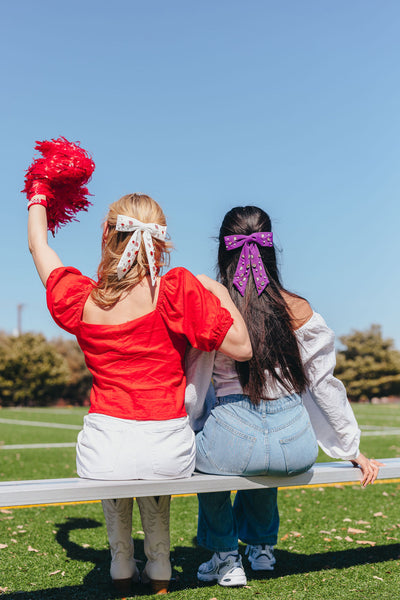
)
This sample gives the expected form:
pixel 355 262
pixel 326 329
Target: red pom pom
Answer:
pixel 61 174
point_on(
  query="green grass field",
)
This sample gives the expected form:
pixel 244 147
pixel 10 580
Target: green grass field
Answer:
pixel 339 542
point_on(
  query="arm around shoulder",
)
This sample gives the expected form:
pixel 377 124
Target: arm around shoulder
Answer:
pixel 236 343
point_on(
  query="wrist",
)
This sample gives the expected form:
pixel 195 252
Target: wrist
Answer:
pixel 37 199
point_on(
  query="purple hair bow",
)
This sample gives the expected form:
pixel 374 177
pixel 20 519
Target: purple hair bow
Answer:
pixel 249 257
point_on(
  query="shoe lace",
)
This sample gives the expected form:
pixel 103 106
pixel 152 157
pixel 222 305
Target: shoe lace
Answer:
pixel 232 560
pixel 260 550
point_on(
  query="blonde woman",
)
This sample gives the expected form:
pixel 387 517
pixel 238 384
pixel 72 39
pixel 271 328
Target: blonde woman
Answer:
pixel 134 327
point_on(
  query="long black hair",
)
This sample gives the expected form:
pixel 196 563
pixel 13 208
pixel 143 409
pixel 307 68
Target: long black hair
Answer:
pixel 267 316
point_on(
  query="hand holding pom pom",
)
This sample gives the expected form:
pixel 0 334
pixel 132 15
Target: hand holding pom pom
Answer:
pixel 60 174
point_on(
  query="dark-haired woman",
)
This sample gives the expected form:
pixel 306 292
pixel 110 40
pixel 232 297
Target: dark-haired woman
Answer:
pixel 270 412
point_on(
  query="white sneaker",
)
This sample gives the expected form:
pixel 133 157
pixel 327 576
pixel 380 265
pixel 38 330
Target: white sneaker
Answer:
pixel 227 572
pixel 261 557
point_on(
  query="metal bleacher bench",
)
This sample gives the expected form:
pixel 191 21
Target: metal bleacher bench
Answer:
pixel 60 491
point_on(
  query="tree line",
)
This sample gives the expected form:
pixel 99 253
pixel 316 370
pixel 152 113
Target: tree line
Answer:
pixel 40 372
pixel 368 365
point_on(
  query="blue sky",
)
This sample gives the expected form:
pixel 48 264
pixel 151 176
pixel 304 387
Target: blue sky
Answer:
pixel 291 105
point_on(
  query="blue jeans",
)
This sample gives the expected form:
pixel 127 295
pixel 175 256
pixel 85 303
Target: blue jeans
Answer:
pixel 275 437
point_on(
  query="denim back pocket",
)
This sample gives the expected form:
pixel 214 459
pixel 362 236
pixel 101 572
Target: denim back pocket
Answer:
pixel 226 446
pixel 300 450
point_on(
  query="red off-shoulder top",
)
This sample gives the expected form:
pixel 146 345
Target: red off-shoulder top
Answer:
pixel 138 366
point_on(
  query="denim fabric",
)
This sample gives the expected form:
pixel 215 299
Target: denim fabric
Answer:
pixel 254 519
pixel 239 438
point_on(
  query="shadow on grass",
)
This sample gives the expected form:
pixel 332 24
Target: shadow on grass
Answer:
pixel 289 563
pixel 96 585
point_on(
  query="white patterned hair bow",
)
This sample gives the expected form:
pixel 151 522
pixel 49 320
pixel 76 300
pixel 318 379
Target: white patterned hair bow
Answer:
pixel 148 230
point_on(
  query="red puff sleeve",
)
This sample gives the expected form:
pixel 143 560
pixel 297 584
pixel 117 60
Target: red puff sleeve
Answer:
pixel 194 311
pixel 67 291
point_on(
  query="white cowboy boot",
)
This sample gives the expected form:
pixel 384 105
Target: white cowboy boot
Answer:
pixel 123 570
pixel 155 522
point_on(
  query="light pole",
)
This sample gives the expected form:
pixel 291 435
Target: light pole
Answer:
pixel 19 318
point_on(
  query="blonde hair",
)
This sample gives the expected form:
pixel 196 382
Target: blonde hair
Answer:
pixel 109 289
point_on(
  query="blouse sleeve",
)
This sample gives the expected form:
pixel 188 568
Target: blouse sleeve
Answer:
pixel 192 310
pixel 67 291
pixel 326 399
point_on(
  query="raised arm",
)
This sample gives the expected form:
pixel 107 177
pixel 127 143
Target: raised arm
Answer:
pixel 44 257
pixel 236 343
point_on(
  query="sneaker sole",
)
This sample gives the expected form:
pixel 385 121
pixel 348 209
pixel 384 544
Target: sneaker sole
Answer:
pixel 232 582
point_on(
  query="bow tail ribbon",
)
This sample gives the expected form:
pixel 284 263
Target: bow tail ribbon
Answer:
pixel 250 258
pixel 129 255
pixel 242 270
pixel 131 252
pixel 148 244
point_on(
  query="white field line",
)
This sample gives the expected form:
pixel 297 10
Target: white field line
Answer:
pixel 360 415
pixel 380 432
pixel 40 424
pixel 367 429
pixel 50 411
pixel 375 427
pixel 378 428
pixel 34 446
pixel 73 444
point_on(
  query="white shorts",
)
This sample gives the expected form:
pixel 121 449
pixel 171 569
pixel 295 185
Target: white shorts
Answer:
pixel 111 448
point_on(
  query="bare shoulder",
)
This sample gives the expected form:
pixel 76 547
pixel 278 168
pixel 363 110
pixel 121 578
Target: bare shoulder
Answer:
pixel 139 301
pixel 299 309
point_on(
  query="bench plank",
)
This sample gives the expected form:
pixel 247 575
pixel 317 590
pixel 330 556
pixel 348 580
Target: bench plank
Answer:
pixel 49 491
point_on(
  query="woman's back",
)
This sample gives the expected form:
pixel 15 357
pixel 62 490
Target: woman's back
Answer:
pixel 136 303
pixel 135 350
pixel 225 376
pixel 247 266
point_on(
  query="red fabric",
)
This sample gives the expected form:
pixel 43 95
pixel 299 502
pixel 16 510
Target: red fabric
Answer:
pixel 138 366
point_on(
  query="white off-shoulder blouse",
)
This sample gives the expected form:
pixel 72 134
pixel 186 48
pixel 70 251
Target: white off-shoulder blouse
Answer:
pixel 325 399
